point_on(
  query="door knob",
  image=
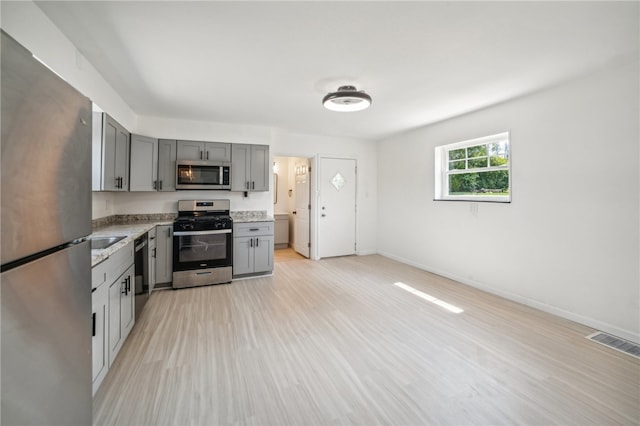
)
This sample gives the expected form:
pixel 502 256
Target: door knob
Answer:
pixel 323 215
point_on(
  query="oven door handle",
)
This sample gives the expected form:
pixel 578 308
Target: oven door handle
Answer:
pixel 219 231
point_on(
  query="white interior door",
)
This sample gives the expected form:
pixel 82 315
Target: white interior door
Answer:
pixel 337 207
pixel 301 216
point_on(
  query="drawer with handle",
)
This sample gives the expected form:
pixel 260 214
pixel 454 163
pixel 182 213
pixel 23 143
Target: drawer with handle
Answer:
pixel 251 229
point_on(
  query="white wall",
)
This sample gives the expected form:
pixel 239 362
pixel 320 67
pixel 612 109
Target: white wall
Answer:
pixel 365 152
pixel 25 22
pixel 569 241
pixel 282 205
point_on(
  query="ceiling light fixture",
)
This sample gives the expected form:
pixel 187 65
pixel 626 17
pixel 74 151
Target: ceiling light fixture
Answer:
pixel 347 99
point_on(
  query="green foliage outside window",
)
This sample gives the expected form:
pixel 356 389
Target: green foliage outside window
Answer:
pixel 476 158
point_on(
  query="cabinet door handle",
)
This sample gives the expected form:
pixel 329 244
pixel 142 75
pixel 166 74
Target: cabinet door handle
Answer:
pixel 250 242
pixel 207 155
pixel 257 239
pixel 201 155
pixel 129 284
pixel 155 184
pixel 160 185
pixel 124 290
pixel 247 185
pixel 93 325
pixel 117 182
pixel 168 232
pixel 253 185
pixel 154 252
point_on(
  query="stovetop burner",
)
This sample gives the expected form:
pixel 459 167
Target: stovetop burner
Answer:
pixel 204 218
pixel 203 215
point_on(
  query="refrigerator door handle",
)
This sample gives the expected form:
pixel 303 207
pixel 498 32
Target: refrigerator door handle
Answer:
pixel 93 326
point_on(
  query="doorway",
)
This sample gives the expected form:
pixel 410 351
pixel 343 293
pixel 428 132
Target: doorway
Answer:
pixel 292 203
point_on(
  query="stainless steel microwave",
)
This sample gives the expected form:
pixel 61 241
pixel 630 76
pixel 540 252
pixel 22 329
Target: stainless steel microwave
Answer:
pixel 192 174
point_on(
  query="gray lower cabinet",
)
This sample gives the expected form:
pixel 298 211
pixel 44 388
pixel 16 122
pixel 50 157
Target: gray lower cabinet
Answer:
pixel 167 155
pixel 113 309
pixel 250 167
pixel 252 248
pixel 151 259
pixel 164 254
pixel 100 332
pixel 206 151
pixel 143 174
pixel 110 146
pixel 121 311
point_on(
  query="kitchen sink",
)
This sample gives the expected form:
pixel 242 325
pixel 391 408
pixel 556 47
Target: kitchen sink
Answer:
pixel 101 243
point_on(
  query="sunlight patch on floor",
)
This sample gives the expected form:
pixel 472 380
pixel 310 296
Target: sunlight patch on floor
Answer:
pixel 448 306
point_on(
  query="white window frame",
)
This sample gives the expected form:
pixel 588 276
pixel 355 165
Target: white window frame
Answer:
pixel 442 173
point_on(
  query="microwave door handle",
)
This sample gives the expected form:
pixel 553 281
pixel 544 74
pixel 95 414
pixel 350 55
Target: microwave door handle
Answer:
pixel 220 174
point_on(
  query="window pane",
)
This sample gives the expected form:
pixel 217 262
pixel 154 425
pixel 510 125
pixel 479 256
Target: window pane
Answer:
pixel 475 163
pixel 457 154
pixel 499 149
pixel 477 151
pixel 480 183
pixel 497 161
pixel 457 165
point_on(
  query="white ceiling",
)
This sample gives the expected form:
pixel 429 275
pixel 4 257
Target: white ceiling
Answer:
pixel 270 63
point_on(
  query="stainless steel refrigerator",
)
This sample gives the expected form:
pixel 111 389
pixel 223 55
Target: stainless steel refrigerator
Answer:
pixel 45 281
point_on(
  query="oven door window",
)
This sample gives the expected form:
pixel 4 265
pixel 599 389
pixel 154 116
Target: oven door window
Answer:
pixel 203 250
pixel 199 175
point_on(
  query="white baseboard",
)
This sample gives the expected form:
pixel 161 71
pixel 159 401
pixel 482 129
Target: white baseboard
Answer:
pixel 366 252
pixel 590 322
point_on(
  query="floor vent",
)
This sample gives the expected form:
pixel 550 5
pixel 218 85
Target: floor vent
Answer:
pixel 616 343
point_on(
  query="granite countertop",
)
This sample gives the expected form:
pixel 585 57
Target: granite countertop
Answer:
pixel 251 216
pixel 129 227
pixel 133 226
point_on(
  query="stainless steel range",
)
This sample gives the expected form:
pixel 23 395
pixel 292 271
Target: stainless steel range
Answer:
pixel 202 243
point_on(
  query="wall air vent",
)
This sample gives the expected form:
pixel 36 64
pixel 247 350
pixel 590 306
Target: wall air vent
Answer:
pixel 622 345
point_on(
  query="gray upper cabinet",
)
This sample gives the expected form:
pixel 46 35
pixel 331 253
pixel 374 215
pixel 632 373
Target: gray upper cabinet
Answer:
pixel 110 148
pixel 144 163
pixel 166 165
pixel 250 168
pixel 206 151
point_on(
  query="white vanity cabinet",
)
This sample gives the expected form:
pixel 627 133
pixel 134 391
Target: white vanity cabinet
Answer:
pixel 252 248
pixel 113 309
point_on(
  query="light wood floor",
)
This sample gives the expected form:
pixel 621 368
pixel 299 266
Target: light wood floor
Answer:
pixel 334 342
